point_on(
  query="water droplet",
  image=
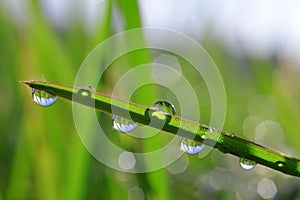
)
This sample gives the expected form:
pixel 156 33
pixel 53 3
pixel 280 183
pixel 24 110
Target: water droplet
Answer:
pixel 190 147
pixel 247 164
pixel 86 92
pixel 123 125
pixel 205 132
pixel 43 98
pixel 164 106
pixel 279 163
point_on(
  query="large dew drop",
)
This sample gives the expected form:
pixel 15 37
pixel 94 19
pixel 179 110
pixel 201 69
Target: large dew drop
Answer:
pixel 190 147
pixel 164 106
pixel 123 125
pixel 160 108
pixel 43 98
pixel 247 164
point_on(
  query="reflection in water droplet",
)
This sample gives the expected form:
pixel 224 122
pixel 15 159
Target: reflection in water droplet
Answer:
pixel 190 147
pixel 43 98
pixel 123 125
pixel 247 164
pixel 164 106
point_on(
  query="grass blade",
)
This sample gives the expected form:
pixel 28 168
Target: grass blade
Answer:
pixel 225 142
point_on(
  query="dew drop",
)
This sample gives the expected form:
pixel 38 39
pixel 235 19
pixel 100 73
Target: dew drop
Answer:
pixel 279 163
pixel 190 147
pixel 43 98
pixel 164 106
pixel 85 92
pixel 123 125
pixel 161 108
pixel 247 164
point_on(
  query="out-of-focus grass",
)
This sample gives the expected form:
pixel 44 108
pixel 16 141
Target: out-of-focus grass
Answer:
pixel 42 156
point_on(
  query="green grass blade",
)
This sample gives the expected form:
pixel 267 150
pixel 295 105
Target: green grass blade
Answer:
pixel 225 142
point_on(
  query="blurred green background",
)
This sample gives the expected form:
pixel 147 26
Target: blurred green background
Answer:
pixel 42 156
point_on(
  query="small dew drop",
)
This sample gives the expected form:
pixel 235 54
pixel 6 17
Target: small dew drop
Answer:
pixel 279 163
pixel 190 147
pixel 86 92
pixel 43 98
pixel 207 131
pixel 247 164
pixel 123 125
